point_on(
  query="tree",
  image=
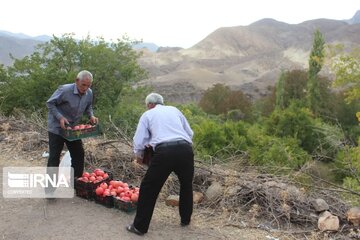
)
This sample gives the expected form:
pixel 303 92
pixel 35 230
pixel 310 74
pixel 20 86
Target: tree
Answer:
pixel 292 86
pixel 347 71
pixel 316 62
pixel 220 99
pixel 34 78
pixel 280 89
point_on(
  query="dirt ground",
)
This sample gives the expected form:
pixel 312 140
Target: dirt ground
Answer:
pixel 77 218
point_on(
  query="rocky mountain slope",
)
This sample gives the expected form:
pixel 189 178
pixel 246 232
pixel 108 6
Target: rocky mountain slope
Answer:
pixel 17 47
pixel 249 58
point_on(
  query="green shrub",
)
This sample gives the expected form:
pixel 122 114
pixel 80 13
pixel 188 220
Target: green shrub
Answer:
pixel 268 150
pixel 316 137
pixel 219 139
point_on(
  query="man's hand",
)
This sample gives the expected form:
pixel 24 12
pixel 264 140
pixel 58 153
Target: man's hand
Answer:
pixel 94 120
pixel 139 159
pixel 63 121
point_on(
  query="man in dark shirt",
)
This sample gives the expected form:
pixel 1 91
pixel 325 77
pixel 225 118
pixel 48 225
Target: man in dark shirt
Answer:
pixel 66 106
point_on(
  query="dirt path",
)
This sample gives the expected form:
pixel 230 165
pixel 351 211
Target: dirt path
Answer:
pixel 77 218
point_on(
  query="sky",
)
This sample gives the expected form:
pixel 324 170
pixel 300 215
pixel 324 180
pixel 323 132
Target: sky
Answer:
pixel 174 23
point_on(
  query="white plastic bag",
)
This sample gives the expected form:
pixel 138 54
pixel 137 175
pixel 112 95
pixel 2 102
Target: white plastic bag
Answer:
pixel 65 166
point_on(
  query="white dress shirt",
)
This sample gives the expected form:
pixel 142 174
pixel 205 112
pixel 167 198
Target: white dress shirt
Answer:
pixel 161 124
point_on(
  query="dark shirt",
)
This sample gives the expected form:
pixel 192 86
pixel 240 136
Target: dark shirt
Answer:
pixel 67 102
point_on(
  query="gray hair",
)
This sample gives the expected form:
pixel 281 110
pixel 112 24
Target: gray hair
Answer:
pixel 84 74
pixel 154 98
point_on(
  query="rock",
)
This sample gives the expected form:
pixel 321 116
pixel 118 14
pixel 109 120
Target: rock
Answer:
pixel 201 177
pixel 172 200
pixel 214 191
pixel 328 222
pixel 233 190
pixel 353 216
pixel 197 197
pixel 320 205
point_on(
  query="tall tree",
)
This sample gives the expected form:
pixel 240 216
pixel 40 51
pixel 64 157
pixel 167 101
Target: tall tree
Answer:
pixel 220 99
pixel 316 62
pixel 280 91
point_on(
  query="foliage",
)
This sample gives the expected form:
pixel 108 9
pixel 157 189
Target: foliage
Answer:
pixel 264 106
pixel 295 86
pixel 214 138
pixel 345 115
pixel 315 136
pixel 294 121
pixel 222 139
pixel 348 168
pixel 330 139
pixel 280 89
pixel 34 78
pixel 220 100
pixel 346 67
pixel 316 62
pixel 292 85
pixel 127 111
pixel 267 150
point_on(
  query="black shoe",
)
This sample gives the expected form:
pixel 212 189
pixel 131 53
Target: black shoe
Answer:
pixel 50 197
pixel 184 224
pixel 50 200
pixel 132 229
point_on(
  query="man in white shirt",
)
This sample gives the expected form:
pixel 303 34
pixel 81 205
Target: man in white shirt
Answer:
pixel 166 130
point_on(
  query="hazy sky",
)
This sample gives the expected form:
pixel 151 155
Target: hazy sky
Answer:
pixel 164 22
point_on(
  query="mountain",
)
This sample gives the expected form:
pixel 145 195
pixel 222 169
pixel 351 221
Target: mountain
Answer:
pixel 17 47
pixel 24 36
pixel 150 46
pixel 249 58
pixel 355 19
pixel 43 38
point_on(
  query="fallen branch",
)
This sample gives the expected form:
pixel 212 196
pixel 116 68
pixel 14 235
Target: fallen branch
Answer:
pixel 333 184
pixel 122 135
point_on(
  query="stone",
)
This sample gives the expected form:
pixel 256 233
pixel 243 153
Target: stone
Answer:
pixel 353 216
pixel 214 191
pixel 328 222
pixel 172 200
pixel 320 205
pixel 197 197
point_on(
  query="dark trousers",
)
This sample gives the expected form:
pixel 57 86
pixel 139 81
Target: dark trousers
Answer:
pixel 76 149
pixel 175 158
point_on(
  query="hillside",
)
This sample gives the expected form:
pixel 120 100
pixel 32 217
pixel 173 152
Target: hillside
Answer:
pixel 249 58
pixel 17 47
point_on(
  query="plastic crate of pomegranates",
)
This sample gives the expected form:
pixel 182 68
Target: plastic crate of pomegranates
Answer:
pixel 80 131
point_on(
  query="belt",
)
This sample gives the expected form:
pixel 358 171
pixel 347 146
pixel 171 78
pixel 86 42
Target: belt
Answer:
pixel 173 143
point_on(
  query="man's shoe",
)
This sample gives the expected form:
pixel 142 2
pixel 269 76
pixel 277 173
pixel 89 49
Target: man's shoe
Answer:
pixel 50 197
pixel 184 224
pixel 132 229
